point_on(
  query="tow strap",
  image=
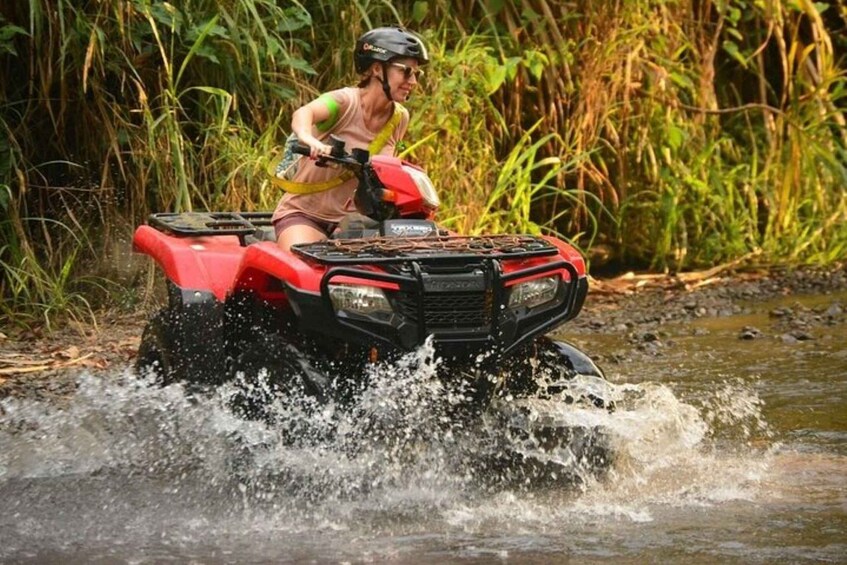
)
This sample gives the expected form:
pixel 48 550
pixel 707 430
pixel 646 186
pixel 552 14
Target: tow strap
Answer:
pixel 295 187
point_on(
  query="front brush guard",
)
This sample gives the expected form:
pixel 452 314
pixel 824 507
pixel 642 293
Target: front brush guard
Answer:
pixel 506 328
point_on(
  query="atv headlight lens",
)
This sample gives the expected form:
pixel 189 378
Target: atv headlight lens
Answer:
pixel 365 300
pixel 534 293
pixel 424 185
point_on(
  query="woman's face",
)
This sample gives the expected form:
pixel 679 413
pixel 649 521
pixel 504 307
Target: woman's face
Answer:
pixel 403 75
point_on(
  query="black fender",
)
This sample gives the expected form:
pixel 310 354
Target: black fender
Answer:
pixel 575 358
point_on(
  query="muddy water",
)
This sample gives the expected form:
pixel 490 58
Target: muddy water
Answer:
pixel 726 451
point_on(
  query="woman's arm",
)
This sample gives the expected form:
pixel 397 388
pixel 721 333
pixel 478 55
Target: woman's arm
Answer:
pixel 325 108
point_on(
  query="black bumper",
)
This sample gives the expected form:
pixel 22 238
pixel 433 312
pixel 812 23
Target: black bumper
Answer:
pixel 464 310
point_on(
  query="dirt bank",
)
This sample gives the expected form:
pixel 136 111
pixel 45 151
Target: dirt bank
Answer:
pixel 46 366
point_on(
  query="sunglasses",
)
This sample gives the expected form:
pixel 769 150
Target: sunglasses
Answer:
pixel 408 71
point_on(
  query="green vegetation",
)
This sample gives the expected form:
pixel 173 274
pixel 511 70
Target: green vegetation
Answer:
pixel 679 134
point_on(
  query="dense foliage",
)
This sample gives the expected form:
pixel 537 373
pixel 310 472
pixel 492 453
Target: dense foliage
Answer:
pixel 670 133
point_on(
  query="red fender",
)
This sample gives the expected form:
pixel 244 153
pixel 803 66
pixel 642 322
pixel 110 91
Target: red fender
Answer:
pixel 196 263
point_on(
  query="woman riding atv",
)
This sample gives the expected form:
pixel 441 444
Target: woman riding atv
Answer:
pixel 368 116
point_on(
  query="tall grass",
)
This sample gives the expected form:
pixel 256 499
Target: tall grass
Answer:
pixel 133 106
pixel 709 129
pixel 680 134
pixel 49 290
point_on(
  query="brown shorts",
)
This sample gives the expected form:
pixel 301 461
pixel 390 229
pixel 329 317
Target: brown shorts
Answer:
pixel 301 219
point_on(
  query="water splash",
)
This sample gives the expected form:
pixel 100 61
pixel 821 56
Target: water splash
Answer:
pixel 396 453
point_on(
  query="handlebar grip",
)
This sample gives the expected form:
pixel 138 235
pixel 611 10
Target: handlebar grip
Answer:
pixel 301 149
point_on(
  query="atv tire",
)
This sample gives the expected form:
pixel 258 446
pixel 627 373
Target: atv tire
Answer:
pixel 268 368
pixel 571 356
pixel 526 372
pixel 550 456
pixel 175 347
pixel 156 352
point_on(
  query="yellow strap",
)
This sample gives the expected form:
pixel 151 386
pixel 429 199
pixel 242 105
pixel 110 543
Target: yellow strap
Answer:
pixel 374 148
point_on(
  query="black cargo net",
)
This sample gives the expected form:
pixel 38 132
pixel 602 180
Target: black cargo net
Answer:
pixel 392 249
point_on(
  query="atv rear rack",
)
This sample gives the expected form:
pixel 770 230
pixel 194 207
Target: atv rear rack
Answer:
pixel 195 224
pixel 383 250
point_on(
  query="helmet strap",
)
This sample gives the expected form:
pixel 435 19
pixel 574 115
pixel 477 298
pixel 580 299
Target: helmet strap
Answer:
pixel 386 88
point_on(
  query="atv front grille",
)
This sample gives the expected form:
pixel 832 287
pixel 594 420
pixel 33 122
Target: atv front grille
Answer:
pixel 448 311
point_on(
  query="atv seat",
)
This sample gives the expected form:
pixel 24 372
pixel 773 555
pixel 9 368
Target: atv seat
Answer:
pixel 265 233
pixel 356 226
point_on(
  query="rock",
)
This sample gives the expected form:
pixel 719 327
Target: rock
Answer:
pixel 749 332
pixel 834 311
pixel 802 335
pixel 649 337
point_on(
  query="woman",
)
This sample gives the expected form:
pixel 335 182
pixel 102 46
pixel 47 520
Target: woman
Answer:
pixel 368 116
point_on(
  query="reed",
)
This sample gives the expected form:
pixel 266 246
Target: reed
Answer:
pixel 39 293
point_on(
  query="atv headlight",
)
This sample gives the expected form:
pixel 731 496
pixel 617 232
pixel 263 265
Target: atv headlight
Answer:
pixel 424 185
pixel 534 293
pixel 359 299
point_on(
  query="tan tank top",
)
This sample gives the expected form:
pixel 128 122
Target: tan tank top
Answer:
pixel 333 204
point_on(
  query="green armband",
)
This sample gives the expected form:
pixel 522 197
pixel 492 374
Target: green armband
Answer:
pixel 332 106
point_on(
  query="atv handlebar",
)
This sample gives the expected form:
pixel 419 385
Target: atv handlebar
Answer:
pixel 353 160
pixel 370 194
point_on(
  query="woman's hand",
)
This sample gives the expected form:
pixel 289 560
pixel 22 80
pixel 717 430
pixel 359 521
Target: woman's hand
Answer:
pixel 318 148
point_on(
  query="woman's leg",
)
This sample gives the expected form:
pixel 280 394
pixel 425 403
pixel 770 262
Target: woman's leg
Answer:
pixel 299 233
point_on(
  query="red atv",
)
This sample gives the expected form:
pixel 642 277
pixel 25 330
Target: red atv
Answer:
pixel 388 280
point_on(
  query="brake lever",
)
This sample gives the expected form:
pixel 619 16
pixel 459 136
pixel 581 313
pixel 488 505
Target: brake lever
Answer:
pixel 337 145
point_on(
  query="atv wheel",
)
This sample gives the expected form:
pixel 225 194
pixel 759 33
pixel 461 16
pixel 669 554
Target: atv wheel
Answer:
pixel 531 445
pixel 156 352
pixel 267 369
pixel 539 455
pixel 545 367
pixel 171 354
pixel 569 355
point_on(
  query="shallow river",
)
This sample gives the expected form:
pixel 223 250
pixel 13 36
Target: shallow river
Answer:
pixel 725 451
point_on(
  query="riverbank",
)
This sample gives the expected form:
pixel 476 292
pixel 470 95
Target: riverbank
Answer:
pixel 638 306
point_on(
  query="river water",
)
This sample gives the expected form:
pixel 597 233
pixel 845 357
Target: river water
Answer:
pixel 724 451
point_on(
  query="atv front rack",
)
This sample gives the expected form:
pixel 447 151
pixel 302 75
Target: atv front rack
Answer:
pixel 383 250
pixel 195 224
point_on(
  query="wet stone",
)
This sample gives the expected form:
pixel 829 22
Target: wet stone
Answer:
pixel 648 337
pixel 788 339
pixel 834 310
pixel 802 335
pixel 616 357
pixel 653 348
pixel 749 332
pixel 800 308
